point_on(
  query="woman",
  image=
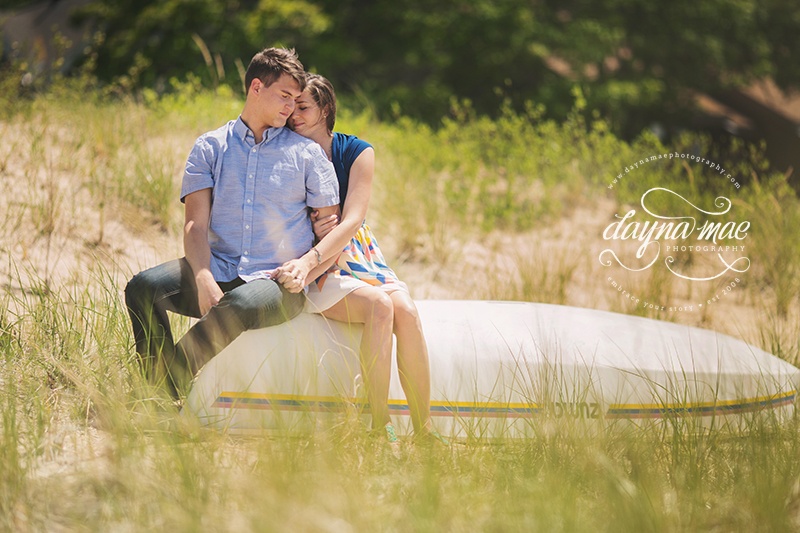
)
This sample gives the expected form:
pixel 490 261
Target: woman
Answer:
pixel 355 284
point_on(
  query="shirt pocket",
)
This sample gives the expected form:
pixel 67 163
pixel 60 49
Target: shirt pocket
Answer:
pixel 285 186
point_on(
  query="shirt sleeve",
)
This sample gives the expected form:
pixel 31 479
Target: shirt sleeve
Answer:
pixel 322 186
pixel 199 172
pixel 353 150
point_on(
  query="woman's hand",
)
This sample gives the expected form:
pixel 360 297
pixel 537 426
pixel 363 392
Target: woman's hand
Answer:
pixel 324 225
pixel 292 274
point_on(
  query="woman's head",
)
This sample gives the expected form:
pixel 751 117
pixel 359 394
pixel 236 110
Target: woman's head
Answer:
pixel 315 107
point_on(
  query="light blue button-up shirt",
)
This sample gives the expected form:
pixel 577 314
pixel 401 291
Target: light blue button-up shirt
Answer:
pixel 260 195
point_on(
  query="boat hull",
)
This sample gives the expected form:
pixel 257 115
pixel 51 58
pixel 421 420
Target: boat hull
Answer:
pixel 501 370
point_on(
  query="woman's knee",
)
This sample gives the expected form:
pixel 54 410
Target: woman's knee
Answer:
pixel 380 307
pixel 367 305
pixel 373 305
pixel 405 312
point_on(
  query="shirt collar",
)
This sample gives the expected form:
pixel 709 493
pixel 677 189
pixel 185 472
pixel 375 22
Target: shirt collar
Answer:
pixel 274 132
pixel 242 131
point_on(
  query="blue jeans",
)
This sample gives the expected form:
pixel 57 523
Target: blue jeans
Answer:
pixel 171 287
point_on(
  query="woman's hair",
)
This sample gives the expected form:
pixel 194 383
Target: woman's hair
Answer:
pixel 322 92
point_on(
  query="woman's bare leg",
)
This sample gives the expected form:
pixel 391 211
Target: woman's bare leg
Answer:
pixel 373 308
pixel 412 360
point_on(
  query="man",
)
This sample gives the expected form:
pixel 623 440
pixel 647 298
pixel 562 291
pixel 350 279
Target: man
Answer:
pixel 247 188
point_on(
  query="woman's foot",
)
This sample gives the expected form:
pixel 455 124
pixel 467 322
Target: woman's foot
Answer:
pixel 392 440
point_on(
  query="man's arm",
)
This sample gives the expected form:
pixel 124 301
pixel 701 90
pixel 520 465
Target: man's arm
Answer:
pixel 198 253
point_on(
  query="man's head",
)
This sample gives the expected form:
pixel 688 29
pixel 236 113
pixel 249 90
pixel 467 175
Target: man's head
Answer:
pixel 274 79
pixel 270 64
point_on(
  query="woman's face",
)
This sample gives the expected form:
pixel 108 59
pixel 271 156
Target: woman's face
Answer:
pixel 307 119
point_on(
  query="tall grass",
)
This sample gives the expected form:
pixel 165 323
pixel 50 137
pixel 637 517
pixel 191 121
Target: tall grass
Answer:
pixel 775 212
pixel 87 444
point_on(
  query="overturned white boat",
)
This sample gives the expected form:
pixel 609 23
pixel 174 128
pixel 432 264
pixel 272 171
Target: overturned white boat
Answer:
pixel 501 369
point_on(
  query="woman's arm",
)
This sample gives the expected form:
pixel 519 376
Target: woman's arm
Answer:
pixel 355 210
pixel 293 274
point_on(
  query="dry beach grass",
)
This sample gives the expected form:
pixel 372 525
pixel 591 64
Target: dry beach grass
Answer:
pixel 85 445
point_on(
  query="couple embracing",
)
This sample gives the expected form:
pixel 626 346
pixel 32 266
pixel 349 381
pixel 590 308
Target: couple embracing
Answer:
pixel 275 226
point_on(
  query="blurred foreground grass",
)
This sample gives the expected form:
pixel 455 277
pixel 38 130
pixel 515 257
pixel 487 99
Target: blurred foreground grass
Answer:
pixel 87 445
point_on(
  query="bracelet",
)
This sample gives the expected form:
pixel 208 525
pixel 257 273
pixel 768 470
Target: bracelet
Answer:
pixel 319 255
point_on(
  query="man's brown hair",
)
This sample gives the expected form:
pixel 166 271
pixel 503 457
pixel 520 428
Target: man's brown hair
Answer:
pixel 271 63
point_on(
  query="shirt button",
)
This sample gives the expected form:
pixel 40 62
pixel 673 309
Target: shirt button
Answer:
pixel 246 252
pixel 250 176
pixel 247 226
pixel 254 150
pixel 248 200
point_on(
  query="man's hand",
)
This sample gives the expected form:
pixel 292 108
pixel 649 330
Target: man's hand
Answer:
pixel 208 292
pixel 292 274
pixel 323 225
pixel 198 252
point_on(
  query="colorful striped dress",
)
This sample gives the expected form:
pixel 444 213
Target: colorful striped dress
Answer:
pixel 361 263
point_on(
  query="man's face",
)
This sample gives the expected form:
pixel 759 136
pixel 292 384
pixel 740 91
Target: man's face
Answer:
pixel 276 102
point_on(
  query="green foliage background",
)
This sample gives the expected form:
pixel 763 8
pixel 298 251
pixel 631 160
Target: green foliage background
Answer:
pixel 635 61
